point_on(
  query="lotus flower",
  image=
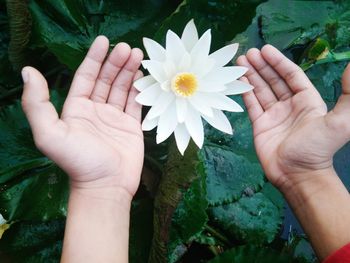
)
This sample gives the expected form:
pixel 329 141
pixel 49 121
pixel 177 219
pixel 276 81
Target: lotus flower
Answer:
pixel 186 84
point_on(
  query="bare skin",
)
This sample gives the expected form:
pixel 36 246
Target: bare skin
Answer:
pixel 98 141
pixel 295 139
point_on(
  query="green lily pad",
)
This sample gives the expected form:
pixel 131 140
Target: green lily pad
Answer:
pixel 229 175
pixel 284 23
pixel 33 242
pixel 251 254
pixel 68 28
pixel 254 218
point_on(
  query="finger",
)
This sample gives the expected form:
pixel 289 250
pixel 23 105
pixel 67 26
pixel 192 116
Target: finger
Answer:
pixel 123 82
pixel 293 75
pixel 109 71
pixel 261 90
pixel 40 112
pixel 85 76
pixel 252 104
pixel 278 85
pixel 133 108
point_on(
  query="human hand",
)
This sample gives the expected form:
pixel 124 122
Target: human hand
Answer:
pixel 293 133
pixel 97 140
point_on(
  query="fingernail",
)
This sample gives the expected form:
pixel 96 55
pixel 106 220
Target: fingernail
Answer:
pixel 25 76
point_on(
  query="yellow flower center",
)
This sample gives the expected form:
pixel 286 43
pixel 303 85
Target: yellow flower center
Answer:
pixel 184 84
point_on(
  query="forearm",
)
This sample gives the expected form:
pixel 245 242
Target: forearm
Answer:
pixel 97 227
pixel 322 204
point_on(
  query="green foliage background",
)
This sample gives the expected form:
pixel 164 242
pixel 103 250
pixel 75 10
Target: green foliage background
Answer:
pixel 212 205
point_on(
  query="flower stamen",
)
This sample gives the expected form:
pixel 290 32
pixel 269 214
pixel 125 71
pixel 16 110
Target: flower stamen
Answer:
pixel 184 84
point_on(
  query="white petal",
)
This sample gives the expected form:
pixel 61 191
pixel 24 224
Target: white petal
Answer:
pixel 200 104
pixel 221 102
pixel 202 47
pixel 154 50
pixel 190 35
pixel 194 126
pixel 155 68
pixel 225 75
pixel 167 124
pixel 174 47
pixel 148 125
pixel 219 121
pixel 181 109
pixel 237 87
pixel 166 85
pixel 162 103
pixel 224 55
pixel 144 82
pixel 211 87
pixel 182 137
pixel 149 96
pixel 200 62
pixel 200 70
pixel 169 68
pixel 185 63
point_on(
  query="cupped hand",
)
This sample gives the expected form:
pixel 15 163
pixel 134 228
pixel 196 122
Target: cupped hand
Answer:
pixel 97 139
pixel 293 133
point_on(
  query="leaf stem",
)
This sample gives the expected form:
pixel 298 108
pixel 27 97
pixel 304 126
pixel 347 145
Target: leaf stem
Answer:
pixel 11 92
pixel 341 56
pixel 154 163
pixel 333 57
pixel 217 235
pixel 213 250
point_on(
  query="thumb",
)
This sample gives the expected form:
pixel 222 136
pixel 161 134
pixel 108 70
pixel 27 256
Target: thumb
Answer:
pixel 346 80
pixel 36 104
pixel 342 108
pixel 338 118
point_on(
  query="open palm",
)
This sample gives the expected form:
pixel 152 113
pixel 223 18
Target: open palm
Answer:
pixel 293 132
pixel 97 139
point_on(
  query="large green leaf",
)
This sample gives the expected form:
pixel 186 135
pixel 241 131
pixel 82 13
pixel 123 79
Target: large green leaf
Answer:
pixel 8 79
pixel 303 251
pixel 31 186
pixel 241 142
pixel 254 218
pixel 327 79
pixel 31 242
pixel 229 175
pixel 16 139
pixel 284 23
pixel 251 254
pixel 67 28
pixel 230 161
pixel 226 18
pixel 39 194
pixel 250 38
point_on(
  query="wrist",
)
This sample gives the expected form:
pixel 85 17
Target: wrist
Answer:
pixel 300 188
pixel 106 195
pixel 321 203
pixel 107 187
pixel 97 220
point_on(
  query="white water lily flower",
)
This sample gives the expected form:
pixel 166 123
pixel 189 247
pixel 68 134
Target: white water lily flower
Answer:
pixel 186 84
